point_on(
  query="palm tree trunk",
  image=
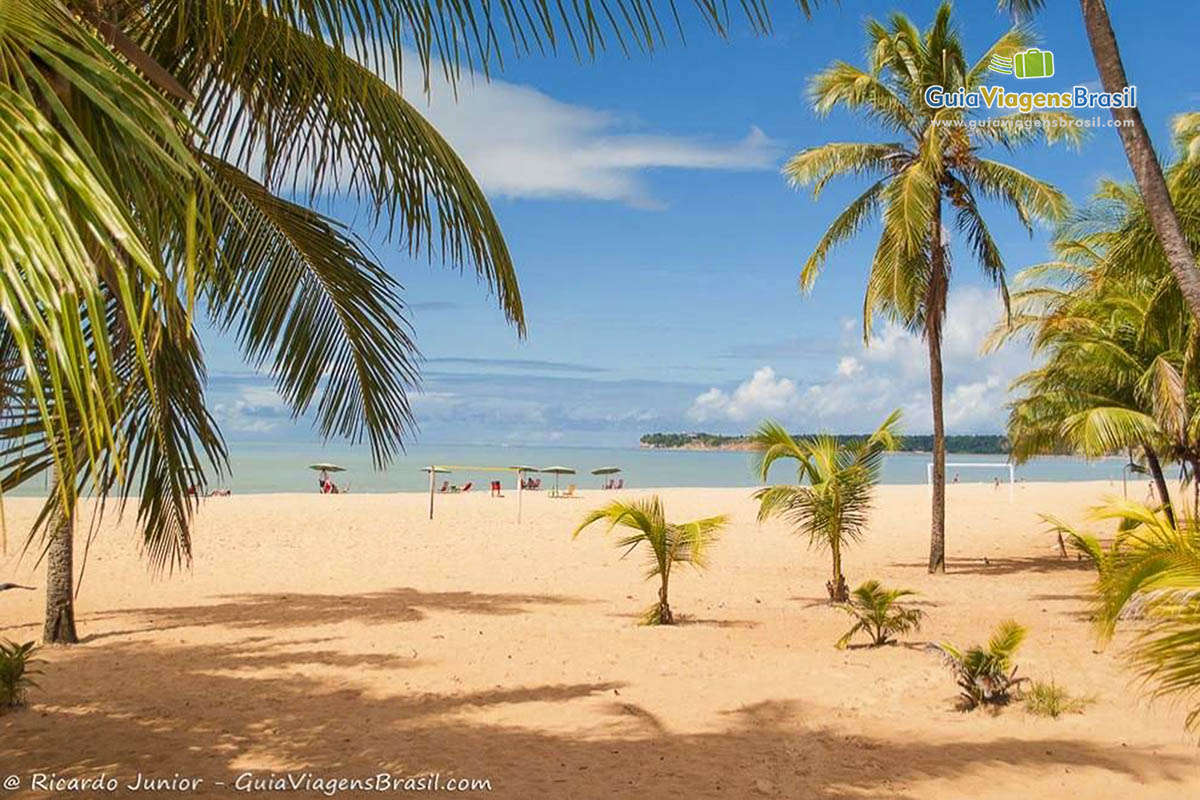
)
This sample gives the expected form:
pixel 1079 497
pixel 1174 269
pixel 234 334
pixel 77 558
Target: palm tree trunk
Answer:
pixel 1195 489
pixel 935 309
pixel 1160 481
pixel 60 563
pixel 664 608
pixel 1139 150
pixel 838 592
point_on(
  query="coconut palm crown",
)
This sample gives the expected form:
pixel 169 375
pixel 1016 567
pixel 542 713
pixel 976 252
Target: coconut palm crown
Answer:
pixel 162 166
pixel 1118 347
pixel 835 482
pixel 936 155
pixel 667 543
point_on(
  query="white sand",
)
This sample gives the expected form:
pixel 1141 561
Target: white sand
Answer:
pixel 347 635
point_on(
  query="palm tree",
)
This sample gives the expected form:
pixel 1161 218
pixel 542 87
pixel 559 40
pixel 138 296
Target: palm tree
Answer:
pixel 877 613
pixel 831 510
pixel 1152 572
pixel 936 157
pixel 1117 343
pixel 159 161
pixel 987 675
pixel 1111 378
pixel 1139 149
pixel 669 543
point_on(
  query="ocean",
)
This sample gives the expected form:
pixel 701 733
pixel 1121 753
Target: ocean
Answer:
pixel 278 467
pixel 282 467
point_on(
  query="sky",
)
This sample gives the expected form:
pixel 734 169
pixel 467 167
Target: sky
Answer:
pixel 658 245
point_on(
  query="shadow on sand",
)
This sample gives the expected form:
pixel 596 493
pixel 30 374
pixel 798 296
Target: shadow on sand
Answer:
pixel 304 610
pixel 1005 566
pixel 205 709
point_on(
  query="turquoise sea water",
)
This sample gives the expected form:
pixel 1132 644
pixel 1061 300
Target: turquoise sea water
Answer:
pixel 281 467
pixel 273 467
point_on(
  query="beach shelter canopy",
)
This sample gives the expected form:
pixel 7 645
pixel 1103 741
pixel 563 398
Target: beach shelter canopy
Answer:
pixel 320 465
pixel 524 468
pixel 556 471
pixel 434 470
pixel 606 470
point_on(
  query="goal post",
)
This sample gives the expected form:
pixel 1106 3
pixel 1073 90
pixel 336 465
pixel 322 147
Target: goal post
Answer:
pixel 992 465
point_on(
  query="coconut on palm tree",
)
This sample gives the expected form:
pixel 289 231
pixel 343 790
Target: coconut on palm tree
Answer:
pixel 158 166
pixel 934 164
pixel 666 543
pixel 835 484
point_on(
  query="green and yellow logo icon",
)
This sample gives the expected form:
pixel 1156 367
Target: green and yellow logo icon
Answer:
pixel 1032 63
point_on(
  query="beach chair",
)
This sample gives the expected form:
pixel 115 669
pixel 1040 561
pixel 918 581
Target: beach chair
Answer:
pixel 466 487
pixel 620 484
pixel 569 491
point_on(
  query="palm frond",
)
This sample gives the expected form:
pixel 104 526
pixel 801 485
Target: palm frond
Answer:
pixel 325 124
pixel 309 304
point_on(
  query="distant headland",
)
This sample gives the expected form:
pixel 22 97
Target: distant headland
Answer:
pixel 985 444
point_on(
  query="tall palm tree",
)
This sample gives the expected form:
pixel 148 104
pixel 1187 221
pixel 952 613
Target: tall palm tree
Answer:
pixel 936 157
pixel 669 543
pixel 831 510
pixel 159 161
pixel 1118 344
pixel 1113 377
pixel 1139 149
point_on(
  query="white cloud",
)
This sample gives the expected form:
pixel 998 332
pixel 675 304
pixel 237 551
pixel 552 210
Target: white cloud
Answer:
pixel 764 395
pixel 520 142
pixel 891 372
pixel 849 366
pixel 252 409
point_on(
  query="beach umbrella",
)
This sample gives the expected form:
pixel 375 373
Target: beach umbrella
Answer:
pixel 521 470
pixel 606 470
pixel 325 467
pixel 556 471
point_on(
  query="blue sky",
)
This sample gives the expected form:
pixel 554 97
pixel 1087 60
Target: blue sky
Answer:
pixel 658 246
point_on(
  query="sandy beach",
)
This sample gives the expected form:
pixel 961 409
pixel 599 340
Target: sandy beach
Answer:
pixel 345 636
